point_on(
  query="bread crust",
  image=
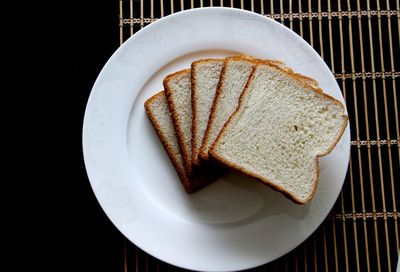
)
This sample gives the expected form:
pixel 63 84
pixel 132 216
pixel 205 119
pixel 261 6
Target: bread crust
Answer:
pixel 186 154
pixel 305 82
pixel 196 151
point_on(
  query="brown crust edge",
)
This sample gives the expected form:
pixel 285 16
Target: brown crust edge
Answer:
pixel 301 79
pixel 196 150
pixel 178 129
pixel 204 151
pixel 179 170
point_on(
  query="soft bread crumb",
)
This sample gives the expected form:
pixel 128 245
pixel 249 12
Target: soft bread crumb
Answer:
pixel 205 78
pixel 281 126
pixel 178 92
pixel 157 110
pixel 235 73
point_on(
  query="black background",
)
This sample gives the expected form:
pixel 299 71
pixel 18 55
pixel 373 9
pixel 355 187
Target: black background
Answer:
pixel 69 43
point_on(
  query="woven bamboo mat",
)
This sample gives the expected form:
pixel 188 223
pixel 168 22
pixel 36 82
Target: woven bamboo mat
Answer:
pixel 360 42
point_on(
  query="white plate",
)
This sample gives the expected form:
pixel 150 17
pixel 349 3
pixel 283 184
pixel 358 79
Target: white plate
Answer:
pixel 233 224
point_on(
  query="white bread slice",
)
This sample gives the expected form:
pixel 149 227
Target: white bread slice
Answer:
pixel 178 91
pixel 280 128
pixel 234 75
pixel 205 78
pixel 157 110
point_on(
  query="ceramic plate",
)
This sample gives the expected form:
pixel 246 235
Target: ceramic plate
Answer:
pixel 235 223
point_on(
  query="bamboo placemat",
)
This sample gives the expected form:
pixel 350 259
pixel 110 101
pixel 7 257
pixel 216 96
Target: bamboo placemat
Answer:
pixel 360 42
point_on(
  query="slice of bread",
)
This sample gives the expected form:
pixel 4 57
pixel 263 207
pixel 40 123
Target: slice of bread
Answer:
pixel 205 78
pixel 178 90
pixel 280 128
pixel 234 75
pixel 158 112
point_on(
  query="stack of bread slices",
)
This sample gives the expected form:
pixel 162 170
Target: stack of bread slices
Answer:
pixel 254 116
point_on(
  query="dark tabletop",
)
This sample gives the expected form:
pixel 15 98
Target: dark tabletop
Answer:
pixel 71 43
